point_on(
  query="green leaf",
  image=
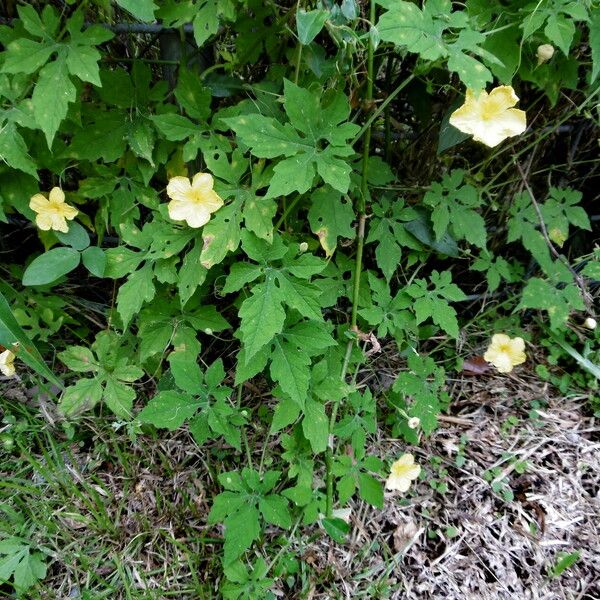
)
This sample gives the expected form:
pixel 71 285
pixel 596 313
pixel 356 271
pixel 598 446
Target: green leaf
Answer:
pixel 286 412
pixel 240 275
pixel 290 367
pixel 557 301
pixel 187 373
pixel 51 96
pixel 141 139
pixel 81 397
pixel 175 127
pixel 11 332
pixel 295 174
pixel 140 9
pixel 434 303
pixel 169 410
pixel 275 511
pixel 82 61
pixel 119 398
pixel 191 274
pixel 26 56
pixel 206 21
pixel 422 32
pixel 155 337
pixel 79 359
pixel 406 25
pixel 19 562
pixel 302 296
pixel 566 561
pixel 121 261
pixel 330 216
pixel 560 30
pixel 241 529
pixel 221 234
pixel 315 425
pixel 258 216
pixel 207 317
pixel 337 529
pixel 310 337
pixel 94 260
pixel 192 95
pixel 454 203
pixel 31 21
pixel 50 266
pixel 309 24
pixel 76 237
pixel 262 317
pixel 370 490
pixel 138 289
pixel 14 151
pixel 101 137
pixel 268 138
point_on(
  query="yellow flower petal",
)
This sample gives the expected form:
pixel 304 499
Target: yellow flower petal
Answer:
pixel 212 201
pixel 38 203
pixel 7 366
pixel 69 212
pixel 505 353
pixel 193 202
pixel 402 473
pixel 53 212
pixel 193 215
pixel 499 99
pixel 203 182
pixel 490 118
pixel 179 188
pixel 56 195
pixel 44 221
pixel 59 223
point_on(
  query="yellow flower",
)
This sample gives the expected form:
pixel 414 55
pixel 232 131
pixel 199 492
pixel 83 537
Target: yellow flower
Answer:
pixel 490 118
pixel 7 367
pixel 52 213
pixel 403 471
pixel 505 353
pixel 193 202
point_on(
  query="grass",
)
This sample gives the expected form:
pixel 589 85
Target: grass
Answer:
pixel 113 516
pixel 507 488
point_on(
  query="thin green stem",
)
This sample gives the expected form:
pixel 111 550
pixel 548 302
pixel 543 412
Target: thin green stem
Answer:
pixel 361 202
pixel 298 61
pixel 287 211
pixel 244 434
pixel 381 108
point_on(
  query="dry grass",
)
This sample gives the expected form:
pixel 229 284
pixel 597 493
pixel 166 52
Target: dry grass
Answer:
pixel 497 549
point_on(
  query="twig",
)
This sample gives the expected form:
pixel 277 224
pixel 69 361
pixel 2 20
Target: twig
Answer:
pixel 578 279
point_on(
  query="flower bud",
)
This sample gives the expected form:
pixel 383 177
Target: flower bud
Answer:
pixel 303 247
pixel 208 331
pixel 544 53
pixel 590 323
pixel 414 422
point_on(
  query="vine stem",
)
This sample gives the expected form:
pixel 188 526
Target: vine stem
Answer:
pixel 381 108
pixel 578 279
pixel 360 242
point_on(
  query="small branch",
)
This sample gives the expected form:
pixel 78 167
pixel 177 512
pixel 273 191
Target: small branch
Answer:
pixel 577 278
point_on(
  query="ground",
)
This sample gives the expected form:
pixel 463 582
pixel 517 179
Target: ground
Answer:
pixel 510 484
